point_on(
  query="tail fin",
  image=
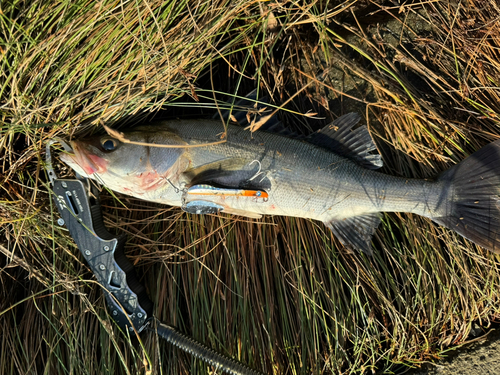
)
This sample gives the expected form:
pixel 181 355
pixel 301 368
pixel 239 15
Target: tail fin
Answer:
pixel 473 199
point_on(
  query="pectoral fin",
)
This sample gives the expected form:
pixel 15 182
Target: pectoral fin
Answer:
pixel 212 171
pixel 356 232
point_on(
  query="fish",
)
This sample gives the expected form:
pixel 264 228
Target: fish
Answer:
pixel 331 176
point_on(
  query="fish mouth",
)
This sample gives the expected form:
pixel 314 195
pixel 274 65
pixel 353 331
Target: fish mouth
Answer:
pixel 83 162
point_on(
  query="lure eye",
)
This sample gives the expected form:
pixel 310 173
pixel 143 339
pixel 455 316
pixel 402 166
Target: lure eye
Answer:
pixel 109 144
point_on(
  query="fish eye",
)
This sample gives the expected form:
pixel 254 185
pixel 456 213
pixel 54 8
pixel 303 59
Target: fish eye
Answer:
pixel 109 144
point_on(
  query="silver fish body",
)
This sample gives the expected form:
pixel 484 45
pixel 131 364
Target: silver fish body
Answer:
pixel 303 180
pixel 323 178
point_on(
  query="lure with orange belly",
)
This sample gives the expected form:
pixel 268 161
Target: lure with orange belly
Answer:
pixel 212 190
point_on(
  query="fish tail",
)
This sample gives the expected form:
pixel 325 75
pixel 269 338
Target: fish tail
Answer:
pixel 472 197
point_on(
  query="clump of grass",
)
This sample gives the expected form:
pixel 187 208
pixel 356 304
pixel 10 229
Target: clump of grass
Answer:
pixel 279 294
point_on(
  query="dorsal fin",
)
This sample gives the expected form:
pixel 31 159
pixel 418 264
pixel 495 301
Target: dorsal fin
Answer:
pixel 353 144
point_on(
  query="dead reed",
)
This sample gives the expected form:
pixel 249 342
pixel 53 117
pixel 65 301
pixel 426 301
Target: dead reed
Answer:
pixel 280 293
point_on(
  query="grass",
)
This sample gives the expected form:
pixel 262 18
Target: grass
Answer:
pixel 279 293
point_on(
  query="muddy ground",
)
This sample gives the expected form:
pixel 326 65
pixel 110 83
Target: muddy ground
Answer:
pixel 481 357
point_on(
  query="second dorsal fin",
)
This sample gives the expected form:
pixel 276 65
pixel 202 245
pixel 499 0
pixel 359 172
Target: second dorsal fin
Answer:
pixel 353 144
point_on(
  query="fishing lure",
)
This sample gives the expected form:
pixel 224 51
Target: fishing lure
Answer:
pixel 212 190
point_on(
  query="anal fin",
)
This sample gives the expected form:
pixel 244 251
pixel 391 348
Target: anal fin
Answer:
pixel 356 232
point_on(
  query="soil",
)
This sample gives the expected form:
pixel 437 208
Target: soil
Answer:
pixel 482 357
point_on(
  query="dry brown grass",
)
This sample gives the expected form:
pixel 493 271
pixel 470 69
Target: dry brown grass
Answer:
pixel 280 294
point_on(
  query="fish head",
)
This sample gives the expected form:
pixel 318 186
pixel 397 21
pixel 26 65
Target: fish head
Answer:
pixel 133 169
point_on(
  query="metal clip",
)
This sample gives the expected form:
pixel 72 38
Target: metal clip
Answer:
pixel 77 201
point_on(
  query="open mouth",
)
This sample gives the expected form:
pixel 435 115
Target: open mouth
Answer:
pixel 81 161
